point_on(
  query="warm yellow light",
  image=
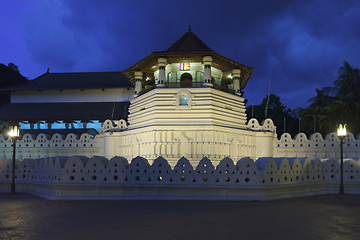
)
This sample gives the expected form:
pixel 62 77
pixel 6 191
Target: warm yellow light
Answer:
pixel 14 132
pixel 341 131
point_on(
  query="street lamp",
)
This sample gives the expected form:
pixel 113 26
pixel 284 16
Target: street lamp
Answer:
pixel 14 134
pixel 341 133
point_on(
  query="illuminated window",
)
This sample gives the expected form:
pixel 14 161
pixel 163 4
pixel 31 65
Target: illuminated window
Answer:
pixel 183 100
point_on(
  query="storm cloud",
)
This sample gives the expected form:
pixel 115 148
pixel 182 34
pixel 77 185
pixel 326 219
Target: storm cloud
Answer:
pixel 299 45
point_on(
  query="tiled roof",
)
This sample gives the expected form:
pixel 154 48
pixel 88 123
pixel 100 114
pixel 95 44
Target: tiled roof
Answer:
pixel 68 111
pixel 189 42
pixel 80 80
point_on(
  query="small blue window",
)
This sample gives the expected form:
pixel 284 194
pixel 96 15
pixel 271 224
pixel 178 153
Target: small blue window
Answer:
pixel 183 100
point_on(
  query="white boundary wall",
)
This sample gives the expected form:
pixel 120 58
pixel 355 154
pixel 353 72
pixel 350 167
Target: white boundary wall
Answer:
pixel 316 146
pixel 115 139
pixel 99 178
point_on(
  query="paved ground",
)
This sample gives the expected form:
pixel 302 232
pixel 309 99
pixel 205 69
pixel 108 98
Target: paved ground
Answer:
pixel 23 216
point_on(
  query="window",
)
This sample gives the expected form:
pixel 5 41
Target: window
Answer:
pixel 183 100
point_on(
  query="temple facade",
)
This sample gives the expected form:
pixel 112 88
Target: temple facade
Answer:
pixel 186 101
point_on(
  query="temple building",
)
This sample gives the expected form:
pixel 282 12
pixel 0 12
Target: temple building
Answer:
pixel 185 101
pixel 172 126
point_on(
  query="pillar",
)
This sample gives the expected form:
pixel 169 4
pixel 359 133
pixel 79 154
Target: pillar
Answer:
pixel 207 71
pixel 162 64
pixel 138 84
pixel 236 83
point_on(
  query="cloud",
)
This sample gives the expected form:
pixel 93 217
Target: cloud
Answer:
pixel 299 45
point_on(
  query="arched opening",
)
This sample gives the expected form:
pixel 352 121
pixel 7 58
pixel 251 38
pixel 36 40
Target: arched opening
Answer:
pixel 186 80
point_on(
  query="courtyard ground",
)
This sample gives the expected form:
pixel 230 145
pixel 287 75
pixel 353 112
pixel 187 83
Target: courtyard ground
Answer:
pixel 24 216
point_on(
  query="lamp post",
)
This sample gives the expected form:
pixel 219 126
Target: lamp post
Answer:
pixel 341 133
pixel 14 134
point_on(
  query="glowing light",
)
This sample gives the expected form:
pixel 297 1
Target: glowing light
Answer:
pixel 184 66
pixel 14 132
pixel 341 131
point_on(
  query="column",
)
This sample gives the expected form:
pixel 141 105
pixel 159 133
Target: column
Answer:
pixel 138 84
pixel 162 64
pixel 207 71
pixel 236 83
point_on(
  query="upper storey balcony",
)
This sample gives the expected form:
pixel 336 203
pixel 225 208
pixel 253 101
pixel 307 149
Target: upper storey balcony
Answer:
pixel 189 62
pixel 187 85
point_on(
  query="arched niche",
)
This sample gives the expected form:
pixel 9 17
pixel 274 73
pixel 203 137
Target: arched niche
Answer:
pixel 183 99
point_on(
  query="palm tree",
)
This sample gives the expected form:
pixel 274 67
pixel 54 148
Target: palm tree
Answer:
pixel 348 80
pixel 321 98
pixel 314 120
pixel 338 103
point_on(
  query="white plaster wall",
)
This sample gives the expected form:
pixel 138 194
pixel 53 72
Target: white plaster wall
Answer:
pixel 99 178
pixel 316 146
pixel 43 146
pixel 193 143
pixel 87 95
pixel 208 107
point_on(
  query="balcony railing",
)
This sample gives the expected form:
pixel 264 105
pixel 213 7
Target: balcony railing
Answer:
pixel 187 85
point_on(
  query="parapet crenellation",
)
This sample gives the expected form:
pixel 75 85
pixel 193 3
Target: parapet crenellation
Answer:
pixel 79 177
pixel 115 139
pixel 317 146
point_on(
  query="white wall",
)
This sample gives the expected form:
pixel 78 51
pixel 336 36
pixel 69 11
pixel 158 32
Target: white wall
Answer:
pixel 117 178
pixel 87 95
pixel 316 146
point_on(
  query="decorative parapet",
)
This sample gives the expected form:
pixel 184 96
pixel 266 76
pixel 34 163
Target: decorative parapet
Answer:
pixel 110 125
pixel 267 125
pixel 316 146
pixel 266 178
pixel 42 146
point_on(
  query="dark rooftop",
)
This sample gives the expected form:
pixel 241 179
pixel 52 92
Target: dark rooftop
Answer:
pixel 80 80
pixel 85 111
pixel 189 42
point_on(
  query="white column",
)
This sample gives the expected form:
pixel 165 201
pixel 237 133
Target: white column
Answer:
pixel 236 77
pixel 162 64
pixel 138 84
pixel 207 71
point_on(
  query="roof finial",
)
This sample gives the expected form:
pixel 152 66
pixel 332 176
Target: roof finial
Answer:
pixel 189 27
pixel 48 70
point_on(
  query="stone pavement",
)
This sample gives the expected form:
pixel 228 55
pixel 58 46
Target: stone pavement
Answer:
pixel 23 216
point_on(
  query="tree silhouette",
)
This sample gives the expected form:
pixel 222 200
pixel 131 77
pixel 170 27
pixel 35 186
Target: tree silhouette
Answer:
pixel 277 112
pixel 341 102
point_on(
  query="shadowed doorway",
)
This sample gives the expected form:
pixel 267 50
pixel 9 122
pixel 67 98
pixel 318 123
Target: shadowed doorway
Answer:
pixel 186 80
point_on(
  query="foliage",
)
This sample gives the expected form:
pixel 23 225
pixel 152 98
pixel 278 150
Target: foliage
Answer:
pixel 277 112
pixel 334 104
pixel 330 106
pixel 9 76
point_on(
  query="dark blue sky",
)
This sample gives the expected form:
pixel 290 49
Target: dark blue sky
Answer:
pixel 299 45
